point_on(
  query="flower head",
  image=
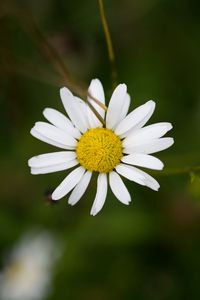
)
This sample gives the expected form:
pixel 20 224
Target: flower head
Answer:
pixel 116 149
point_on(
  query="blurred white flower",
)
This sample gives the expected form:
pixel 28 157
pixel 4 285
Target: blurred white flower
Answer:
pixel 116 149
pixel 28 273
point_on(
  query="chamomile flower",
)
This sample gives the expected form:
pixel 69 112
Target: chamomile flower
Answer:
pixel 113 150
pixel 28 272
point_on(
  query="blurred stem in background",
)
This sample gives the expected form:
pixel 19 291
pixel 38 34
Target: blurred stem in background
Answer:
pixel 184 170
pixel 111 54
pixel 49 52
pixel 59 65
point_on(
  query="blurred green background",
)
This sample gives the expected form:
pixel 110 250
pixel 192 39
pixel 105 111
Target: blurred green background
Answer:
pixel 151 249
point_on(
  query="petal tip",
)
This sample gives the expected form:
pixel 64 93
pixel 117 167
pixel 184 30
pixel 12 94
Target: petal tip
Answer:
pixel 65 90
pixel 95 80
pixel 33 172
pixel 54 196
pixel 62 90
pixel 171 141
pixel 32 131
pixel 162 167
pixel 94 212
pixel 29 162
pixel 152 102
pixel 123 86
pixel 46 111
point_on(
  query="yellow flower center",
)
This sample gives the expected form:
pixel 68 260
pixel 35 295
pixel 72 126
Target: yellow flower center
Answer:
pixel 99 150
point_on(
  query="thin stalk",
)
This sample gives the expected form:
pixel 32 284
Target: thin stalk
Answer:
pixel 176 171
pixel 97 101
pixel 59 64
pixel 96 113
pixel 46 48
pixel 37 73
pixel 111 54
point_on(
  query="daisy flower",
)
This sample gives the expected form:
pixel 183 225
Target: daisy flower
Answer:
pixel 28 272
pixel 113 150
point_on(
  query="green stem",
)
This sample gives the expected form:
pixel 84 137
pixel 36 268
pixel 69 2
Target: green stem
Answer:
pixel 111 54
pixel 176 171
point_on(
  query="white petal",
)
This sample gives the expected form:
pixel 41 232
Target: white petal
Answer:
pixel 143 160
pixel 118 188
pixel 115 106
pixel 134 118
pixel 131 173
pixel 96 90
pixel 151 146
pixel 125 107
pixel 40 137
pixel 61 121
pixel 54 135
pixel 146 133
pixel 83 108
pixel 43 138
pixel 142 123
pixel 152 107
pixel 149 181
pixel 68 183
pixel 152 183
pixel 137 175
pixel 80 189
pixel 50 159
pixel 54 168
pixel 102 187
pixel 73 109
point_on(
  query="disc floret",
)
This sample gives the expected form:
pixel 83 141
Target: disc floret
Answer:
pixel 99 150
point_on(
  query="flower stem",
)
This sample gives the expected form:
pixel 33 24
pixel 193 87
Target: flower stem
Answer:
pixel 97 102
pixel 176 171
pixel 111 54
